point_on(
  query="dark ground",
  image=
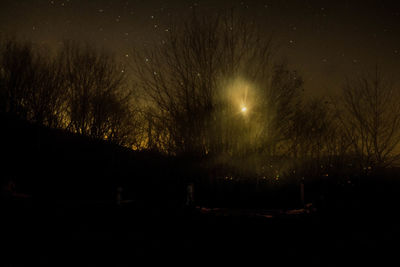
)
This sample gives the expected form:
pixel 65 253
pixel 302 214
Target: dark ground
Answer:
pixel 61 224
pixel 95 233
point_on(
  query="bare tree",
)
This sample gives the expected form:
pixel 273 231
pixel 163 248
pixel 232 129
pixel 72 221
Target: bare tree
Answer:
pixel 280 108
pixel 46 99
pixel 17 76
pixel 99 100
pixel 30 83
pixel 371 118
pixel 185 80
pixel 77 88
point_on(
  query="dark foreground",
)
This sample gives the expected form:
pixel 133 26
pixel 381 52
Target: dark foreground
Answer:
pixel 94 233
pixel 358 223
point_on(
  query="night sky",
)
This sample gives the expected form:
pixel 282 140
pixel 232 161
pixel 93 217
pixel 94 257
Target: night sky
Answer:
pixel 323 40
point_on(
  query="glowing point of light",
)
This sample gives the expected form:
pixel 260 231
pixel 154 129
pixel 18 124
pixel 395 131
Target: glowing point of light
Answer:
pixel 244 109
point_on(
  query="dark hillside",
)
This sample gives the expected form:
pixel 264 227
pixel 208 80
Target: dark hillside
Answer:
pixel 72 183
pixel 56 164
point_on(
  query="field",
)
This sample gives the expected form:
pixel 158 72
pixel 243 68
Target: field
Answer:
pixel 64 210
pixel 94 233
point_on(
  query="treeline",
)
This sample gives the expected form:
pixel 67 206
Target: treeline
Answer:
pixel 217 89
pixel 76 88
pixel 210 88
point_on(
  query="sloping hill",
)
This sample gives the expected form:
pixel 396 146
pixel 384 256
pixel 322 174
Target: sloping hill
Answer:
pixel 58 164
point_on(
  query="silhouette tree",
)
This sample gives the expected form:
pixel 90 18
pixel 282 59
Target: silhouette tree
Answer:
pixel 186 76
pixel 371 118
pixel 99 100
pixel 46 101
pixel 17 76
pixel 31 84
pixel 77 88
pixel 280 106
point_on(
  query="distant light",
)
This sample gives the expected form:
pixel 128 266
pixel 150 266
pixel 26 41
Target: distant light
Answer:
pixel 244 109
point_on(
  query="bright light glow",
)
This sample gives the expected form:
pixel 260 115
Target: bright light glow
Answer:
pixel 244 109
